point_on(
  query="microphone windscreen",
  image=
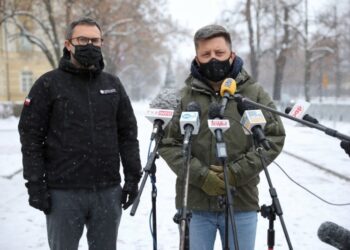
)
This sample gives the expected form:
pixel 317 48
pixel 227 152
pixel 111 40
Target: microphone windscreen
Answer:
pixel 214 111
pixel 334 235
pixel 193 107
pixel 287 110
pixel 167 98
pixel 243 106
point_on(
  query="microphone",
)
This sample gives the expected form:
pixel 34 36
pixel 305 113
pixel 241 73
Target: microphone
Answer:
pixel 306 117
pixel 254 121
pixel 217 126
pixel 227 89
pixel 189 122
pixel 167 98
pixel 299 109
pixel 215 121
pixel 160 118
pixel 334 235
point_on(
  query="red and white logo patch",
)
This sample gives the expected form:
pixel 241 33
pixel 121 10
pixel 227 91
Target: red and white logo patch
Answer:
pixel 27 101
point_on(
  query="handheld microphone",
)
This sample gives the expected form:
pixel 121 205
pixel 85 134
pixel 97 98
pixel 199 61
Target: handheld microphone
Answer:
pixel 253 120
pixel 227 89
pixel 160 118
pixel 306 117
pixel 189 122
pixel 334 235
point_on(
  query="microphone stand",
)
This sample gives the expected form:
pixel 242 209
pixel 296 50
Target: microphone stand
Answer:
pixel 328 131
pixel 229 212
pixel 150 169
pixel 185 216
pixel 275 208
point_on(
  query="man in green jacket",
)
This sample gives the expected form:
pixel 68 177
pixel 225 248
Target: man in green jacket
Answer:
pixel 214 62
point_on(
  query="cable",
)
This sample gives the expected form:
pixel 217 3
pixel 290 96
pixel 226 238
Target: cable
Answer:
pixel 291 179
pixel 312 193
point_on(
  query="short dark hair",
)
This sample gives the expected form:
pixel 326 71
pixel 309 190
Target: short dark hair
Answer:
pixel 211 31
pixel 81 21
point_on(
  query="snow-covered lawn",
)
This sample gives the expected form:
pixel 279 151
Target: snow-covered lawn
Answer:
pixel 23 228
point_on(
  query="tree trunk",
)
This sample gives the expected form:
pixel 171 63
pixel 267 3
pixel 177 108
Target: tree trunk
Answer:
pixel 337 57
pixel 307 75
pixel 307 72
pixel 280 61
pixel 253 56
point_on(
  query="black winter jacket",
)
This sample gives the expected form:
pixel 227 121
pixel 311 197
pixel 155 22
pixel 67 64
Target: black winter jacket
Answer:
pixel 75 126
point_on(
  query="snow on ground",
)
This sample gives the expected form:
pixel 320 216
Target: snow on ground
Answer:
pixel 22 227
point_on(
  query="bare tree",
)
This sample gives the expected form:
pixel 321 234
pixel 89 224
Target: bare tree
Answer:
pixel 251 14
pixel 23 16
pixel 254 62
pixel 135 33
pixel 313 50
pixel 282 47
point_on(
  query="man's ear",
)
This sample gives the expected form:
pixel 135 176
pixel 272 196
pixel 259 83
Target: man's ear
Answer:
pixel 68 45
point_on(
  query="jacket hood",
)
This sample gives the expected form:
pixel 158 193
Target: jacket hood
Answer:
pixel 67 65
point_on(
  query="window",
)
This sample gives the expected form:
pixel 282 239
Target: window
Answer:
pixel 26 80
pixel 24 44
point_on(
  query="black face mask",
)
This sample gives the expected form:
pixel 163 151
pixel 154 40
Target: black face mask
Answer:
pixel 215 70
pixel 87 55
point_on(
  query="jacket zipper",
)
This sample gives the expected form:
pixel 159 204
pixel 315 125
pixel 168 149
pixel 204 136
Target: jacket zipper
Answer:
pixel 92 128
pixel 92 124
pixel 65 121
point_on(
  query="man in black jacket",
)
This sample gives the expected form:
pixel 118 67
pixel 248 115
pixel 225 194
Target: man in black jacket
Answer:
pixel 77 123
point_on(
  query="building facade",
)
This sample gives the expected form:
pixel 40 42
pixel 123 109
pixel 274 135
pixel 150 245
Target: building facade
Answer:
pixel 21 63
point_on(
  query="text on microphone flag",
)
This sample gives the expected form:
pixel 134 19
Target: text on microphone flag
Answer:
pixel 160 112
pixel 189 116
pixel 252 118
pixel 228 82
pixel 299 109
pixel 222 124
pixel 219 123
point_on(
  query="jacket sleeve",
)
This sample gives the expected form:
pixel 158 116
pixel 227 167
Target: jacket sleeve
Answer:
pixel 127 137
pixel 249 164
pixel 171 151
pixel 33 125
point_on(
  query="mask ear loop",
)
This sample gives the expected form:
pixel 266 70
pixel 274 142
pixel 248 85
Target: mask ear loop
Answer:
pixel 197 61
pixel 233 56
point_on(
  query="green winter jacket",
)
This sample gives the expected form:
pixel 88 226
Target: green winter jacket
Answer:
pixel 242 159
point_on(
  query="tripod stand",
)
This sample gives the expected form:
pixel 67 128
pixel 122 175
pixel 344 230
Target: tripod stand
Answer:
pixel 270 212
pixel 150 169
pixel 229 213
pixel 185 216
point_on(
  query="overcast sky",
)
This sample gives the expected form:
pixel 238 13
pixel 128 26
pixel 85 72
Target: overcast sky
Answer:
pixel 194 14
pixel 197 13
